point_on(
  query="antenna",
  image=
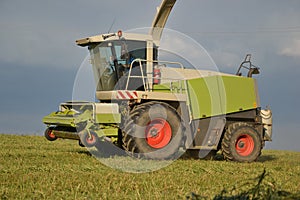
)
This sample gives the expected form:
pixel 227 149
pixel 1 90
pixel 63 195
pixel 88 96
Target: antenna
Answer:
pixel 112 24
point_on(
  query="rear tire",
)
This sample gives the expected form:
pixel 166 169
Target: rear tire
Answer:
pixel 49 135
pixel 153 130
pixel 241 142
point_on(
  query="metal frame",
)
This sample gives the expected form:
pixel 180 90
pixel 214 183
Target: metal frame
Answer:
pixel 252 69
pixel 143 77
pixel 80 103
pixel 147 86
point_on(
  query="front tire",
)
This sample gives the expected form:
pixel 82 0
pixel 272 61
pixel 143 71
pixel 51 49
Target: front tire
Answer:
pixel 88 138
pixel 153 130
pixel 241 142
pixel 49 135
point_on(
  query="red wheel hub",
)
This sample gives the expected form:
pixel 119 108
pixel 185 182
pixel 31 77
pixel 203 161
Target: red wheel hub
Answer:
pixel 158 133
pixel 244 145
pixel 51 134
pixel 90 139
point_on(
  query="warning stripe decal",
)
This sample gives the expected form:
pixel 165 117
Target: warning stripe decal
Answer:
pixel 121 94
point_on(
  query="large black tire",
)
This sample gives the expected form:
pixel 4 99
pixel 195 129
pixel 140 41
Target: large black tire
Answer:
pixel 49 135
pixel 241 142
pixel 153 130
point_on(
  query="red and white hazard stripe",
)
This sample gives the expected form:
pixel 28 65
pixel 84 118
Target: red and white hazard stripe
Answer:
pixel 124 94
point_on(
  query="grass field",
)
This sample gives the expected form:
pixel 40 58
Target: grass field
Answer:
pixel 33 168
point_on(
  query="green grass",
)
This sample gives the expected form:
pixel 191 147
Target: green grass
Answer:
pixel 33 168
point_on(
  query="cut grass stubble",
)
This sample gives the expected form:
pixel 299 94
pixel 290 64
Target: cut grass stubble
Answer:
pixel 33 168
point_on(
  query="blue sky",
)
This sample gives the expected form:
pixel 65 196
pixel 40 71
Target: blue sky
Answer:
pixel 39 58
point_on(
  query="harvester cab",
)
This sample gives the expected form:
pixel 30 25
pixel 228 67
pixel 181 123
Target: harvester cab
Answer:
pixel 114 55
pixel 153 111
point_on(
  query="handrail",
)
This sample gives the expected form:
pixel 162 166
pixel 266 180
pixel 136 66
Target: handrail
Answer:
pixel 164 78
pixel 138 60
pixel 252 69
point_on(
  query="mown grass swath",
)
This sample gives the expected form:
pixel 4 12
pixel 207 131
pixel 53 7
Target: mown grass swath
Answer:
pixel 33 168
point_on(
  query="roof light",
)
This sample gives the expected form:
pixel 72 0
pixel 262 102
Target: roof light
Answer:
pixel 120 33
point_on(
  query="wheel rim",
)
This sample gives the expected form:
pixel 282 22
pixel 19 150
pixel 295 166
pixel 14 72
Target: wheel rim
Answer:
pixel 244 145
pixel 90 139
pixel 158 133
pixel 51 134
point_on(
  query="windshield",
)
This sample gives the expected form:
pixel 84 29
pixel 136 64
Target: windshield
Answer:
pixel 111 60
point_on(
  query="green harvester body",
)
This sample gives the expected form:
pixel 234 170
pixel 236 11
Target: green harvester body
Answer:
pixel 213 108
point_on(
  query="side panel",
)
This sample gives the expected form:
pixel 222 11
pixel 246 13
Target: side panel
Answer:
pixel 205 98
pixel 208 132
pixel 219 95
pixel 107 118
pixel 240 93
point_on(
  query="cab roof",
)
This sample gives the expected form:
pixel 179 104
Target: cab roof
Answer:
pixel 113 36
